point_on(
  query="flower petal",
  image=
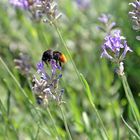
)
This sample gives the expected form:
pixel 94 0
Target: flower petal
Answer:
pixel 126 49
pixel 106 55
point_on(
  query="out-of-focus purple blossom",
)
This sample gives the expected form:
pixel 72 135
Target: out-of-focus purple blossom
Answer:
pixel 104 18
pixel 24 4
pixel 112 25
pixel 83 4
pixel 46 87
pixel 113 46
pixel 107 24
pixel 45 10
pixel 23 64
pixel 135 15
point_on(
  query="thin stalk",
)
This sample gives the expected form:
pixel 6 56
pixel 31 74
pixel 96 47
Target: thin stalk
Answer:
pixel 131 129
pixel 37 133
pixel 8 123
pixel 58 138
pixel 131 101
pixel 89 95
pixel 99 118
pixel 8 102
pixel 16 81
pixel 117 122
pixel 65 123
pixel 11 74
pixel 68 52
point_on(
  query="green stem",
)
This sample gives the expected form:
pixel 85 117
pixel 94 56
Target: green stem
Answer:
pixel 89 94
pixel 16 81
pixel 37 133
pixel 116 121
pixel 68 52
pixel 99 118
pixel 130 129
pixel 131 101
pixel 7 122
pixel 58 138
pixel 65 123
pixel 8 102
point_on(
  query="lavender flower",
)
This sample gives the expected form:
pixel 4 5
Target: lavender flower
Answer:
pixel 46 86
pixel 115 49
pixel 107 24
pixel 45 10
pixel 135 15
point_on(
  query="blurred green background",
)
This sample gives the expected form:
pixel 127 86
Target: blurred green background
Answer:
pixel 19 33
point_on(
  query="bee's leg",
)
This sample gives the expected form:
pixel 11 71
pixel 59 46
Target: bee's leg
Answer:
pixel 47 63
pixel 57 62
pixel 60 64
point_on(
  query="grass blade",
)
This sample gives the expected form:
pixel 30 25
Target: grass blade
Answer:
pixel 131 129
pixel 131 101
pixel 89 94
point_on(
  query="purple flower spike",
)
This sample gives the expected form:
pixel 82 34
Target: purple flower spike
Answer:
pixel 113 45
pixel 135 15
pixel 46 87
pixel 41 10
pixel 41 70
pixel 107 25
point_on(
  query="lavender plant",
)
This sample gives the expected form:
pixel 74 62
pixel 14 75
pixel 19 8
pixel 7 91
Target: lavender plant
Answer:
pixel 115 49
pixel 115 45
pixel 46 86
pixel 135 16
pixel 45 10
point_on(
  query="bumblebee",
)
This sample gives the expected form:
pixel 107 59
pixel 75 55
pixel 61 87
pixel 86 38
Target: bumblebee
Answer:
pixel 56 55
